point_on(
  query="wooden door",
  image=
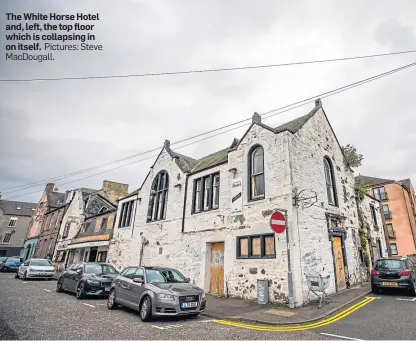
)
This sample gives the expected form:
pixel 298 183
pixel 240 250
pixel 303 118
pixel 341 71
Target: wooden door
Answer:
pixel 339 262
pixel 217 269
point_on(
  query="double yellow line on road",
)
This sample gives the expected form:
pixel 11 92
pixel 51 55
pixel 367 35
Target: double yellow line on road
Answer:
pixel 291 328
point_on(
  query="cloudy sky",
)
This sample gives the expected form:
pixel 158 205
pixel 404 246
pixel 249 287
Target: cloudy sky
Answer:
pixel 54 128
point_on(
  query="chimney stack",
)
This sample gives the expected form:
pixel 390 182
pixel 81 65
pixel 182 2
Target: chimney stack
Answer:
pixel 49 187
pixel 256 118
pixel 166 144
pixel 318 103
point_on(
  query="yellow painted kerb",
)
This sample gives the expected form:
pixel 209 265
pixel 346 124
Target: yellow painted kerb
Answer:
pixel 288 328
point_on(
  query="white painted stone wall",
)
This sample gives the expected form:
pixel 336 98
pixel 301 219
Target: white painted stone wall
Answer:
pixel 290 162
pixel 74 215
pixel 312 250
pixel 376 231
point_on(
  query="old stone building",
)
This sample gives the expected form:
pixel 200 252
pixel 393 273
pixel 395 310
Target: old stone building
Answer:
pixel 210 217
pixel 83 204
pixel 49 200
pixel 14 222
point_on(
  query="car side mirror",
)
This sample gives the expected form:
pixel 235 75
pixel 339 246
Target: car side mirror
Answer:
pixel 79 271
pixel 139 280
pixel 188 280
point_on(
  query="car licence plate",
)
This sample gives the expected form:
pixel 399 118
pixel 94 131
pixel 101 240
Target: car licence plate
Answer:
pixel 189 305
pixel 390 284
pixel 107 289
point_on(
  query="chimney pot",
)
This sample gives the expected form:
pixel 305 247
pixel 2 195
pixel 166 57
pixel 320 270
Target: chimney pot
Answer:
pixel 49 187
pixel 318 103
pixel 167 144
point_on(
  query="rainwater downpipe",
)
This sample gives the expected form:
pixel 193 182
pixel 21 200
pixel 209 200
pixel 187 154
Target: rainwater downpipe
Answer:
pixel 184 202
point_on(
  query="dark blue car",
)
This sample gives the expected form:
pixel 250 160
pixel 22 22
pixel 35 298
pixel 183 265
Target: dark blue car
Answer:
pixel 10 264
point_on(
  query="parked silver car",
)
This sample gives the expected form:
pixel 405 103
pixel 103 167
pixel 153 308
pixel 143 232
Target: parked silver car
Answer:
pixel 156 291
pixel 36 268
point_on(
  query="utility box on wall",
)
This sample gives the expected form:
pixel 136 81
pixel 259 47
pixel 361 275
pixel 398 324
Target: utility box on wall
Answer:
pixel 262 291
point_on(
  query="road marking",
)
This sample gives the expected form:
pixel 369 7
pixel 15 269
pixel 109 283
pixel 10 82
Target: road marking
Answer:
pixel 205 321
pixel 47 290
pixel 377 298
pixel 169 326
pixel 10 276
pixel 287 328
pixel 341 337
pixel 24 282
pixel 406 299
pixel 89 305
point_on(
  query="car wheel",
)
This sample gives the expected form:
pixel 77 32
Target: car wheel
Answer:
pixel 111 302
pixel 146 309
pixel 374 289
pixel 16 275
pixel 80 290
pixel 59 285
pixel 24 276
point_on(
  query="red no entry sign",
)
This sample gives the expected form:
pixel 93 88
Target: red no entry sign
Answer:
pixel 278 222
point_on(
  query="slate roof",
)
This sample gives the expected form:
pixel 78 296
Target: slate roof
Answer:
pixel 294 125
pixel 371 181
pixel 185 163
pixel 212 160
pixel 406 183
pixel 10 208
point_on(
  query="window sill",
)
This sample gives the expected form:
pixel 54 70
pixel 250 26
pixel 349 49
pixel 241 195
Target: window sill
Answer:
pixel 256 199
pixel 206 211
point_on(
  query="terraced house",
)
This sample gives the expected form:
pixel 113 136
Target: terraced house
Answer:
pixel 86 227
pixel 210 217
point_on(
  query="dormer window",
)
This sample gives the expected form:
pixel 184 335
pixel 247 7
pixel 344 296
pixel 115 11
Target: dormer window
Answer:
pixel 158 197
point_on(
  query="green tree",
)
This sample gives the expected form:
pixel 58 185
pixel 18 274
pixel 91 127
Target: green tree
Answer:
pixel 353 158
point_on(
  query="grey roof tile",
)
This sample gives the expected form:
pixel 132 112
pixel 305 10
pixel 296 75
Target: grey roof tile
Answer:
pixel 294 125
pixel 11 208
pixel 406 183
pixel 371 181
pixel 55 199
pixel 212 160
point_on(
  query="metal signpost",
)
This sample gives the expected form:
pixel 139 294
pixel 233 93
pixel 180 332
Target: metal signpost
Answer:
pixel 278 223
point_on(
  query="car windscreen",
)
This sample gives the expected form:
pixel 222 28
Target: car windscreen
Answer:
pixel 13 260
pixel 40 262
pixel 164 276
pixel 100 269
pixel 392 264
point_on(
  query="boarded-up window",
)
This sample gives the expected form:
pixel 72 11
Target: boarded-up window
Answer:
pixel 244 247
pixel 256 246
pixel 269 246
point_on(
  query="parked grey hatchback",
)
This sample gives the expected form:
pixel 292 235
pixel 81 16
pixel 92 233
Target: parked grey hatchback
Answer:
pixel 156 291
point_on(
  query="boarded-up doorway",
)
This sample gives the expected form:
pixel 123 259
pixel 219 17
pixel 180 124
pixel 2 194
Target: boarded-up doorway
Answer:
pixel 217 269
pixel 339 262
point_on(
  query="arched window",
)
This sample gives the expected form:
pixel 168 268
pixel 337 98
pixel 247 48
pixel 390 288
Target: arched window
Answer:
pixel 158 197
pixel 330 182
pixel 256 173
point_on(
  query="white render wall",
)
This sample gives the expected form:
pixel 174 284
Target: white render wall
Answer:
pixel 75 215
pixel 313 250
pixel 376 232
pixel 291 162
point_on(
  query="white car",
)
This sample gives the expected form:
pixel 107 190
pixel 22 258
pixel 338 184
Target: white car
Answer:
pixel 36 268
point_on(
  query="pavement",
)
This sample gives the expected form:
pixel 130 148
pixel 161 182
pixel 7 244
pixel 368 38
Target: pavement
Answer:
pixel 249 311
pixel 34 310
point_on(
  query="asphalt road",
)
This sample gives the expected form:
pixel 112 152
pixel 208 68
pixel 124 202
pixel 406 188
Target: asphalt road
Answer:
pixel 33 310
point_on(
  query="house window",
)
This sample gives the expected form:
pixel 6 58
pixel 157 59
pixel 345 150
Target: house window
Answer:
pixel 390 231
pixel 373 214
pixel 256 172
pixel 7 237
pixel 258 246
pixel 393 248
pixel 104 224
pixel 158 197
pixel 386 212
pixel 12 222
pixel 380 193
pixel 206 193
pixel 330 182
pixel 126 214
pixel 66 230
